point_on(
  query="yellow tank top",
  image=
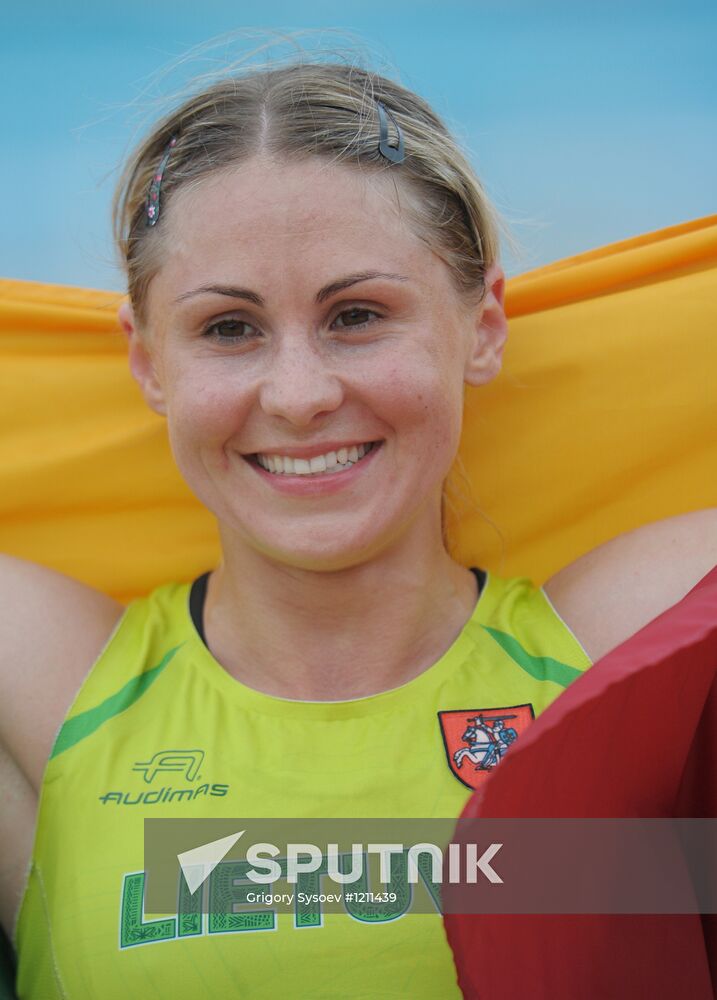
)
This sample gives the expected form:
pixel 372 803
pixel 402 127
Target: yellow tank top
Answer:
pixel 160 729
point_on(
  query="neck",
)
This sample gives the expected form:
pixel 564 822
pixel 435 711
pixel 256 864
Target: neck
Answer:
pixel 330 636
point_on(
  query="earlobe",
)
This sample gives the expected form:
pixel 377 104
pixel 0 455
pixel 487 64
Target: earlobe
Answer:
pixel 141 363
pixel 491 330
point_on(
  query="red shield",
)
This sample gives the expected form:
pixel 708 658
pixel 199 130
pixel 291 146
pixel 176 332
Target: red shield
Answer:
pixel 476 739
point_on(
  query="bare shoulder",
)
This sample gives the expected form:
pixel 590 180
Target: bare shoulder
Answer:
pixel 614 590
pixel 52 629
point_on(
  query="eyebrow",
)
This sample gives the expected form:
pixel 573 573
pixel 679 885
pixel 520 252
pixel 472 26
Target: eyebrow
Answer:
pixel 321 296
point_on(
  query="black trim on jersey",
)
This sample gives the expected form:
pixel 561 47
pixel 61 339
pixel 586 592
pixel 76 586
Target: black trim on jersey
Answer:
pixel 198 596
pixel 480 575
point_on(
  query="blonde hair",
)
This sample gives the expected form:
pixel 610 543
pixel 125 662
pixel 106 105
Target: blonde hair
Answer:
pixel 302 110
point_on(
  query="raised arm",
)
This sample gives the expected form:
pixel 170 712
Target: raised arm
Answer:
pixel 52 629
pixel 610 593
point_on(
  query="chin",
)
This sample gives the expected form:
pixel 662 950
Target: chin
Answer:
pixel 321 558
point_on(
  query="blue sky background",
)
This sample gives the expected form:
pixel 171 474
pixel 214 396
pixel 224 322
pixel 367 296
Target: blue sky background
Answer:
pixel 588 121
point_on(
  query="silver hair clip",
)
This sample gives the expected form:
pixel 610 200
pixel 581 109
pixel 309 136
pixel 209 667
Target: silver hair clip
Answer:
pixel 153 193
pixel 393 153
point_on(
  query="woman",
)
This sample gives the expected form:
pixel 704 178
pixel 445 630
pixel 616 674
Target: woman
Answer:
pixel 313 278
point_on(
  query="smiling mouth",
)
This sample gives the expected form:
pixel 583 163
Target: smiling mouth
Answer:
pixel 332 462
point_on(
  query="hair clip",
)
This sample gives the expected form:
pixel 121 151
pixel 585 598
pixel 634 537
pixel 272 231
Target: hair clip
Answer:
pixel 393 153
pixel 153 193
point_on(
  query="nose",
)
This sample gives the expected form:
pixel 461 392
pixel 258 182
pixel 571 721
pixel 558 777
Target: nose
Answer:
pixel 300 386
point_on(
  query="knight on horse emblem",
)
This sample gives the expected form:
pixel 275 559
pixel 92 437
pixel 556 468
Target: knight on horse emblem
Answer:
pixel 481 738
pixel 488 738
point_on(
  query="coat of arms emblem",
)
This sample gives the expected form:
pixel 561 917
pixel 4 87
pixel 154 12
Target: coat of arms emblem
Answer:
pixel 476 739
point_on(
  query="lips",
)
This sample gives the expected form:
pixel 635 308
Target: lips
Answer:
pixel 308 483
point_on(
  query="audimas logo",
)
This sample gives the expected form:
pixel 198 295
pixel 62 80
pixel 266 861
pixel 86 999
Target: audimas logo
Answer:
pixel 166 763
pixel 188 761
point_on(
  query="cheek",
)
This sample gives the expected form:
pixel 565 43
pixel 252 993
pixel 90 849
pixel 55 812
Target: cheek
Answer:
pixel 203 414
pixel 424 402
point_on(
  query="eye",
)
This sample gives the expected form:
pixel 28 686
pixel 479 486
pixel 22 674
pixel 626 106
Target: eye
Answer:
pixel 356 318
pixel 230 331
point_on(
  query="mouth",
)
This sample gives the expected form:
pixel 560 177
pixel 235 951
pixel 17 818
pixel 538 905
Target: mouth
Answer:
pixel 337 461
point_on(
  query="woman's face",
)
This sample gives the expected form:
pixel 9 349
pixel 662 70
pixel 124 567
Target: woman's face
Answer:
pixel 295 314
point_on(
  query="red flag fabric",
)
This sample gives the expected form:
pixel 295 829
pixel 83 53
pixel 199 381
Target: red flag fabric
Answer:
pixel 636 736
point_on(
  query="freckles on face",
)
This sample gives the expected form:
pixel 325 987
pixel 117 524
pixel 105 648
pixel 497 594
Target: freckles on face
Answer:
pixel 255 248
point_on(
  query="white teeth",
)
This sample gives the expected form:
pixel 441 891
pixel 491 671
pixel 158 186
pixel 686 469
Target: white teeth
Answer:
pixel 338 461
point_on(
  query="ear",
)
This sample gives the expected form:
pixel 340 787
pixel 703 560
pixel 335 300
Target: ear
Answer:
pixel 141 363
pixel 490 332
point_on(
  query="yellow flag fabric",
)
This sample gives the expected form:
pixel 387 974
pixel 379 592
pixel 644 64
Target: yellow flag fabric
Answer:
pixel 603 418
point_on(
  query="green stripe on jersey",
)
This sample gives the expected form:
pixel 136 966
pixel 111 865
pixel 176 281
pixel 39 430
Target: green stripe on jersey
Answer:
pixel 79 726
pixel 542 668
